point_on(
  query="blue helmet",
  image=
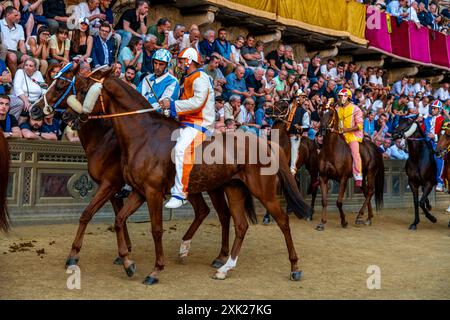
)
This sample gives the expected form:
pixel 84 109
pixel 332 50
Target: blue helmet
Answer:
pixel 164 56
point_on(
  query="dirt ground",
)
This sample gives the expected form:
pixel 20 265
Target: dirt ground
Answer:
pixel 414 265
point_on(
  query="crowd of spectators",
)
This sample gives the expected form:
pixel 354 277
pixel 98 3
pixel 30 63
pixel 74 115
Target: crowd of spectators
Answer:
pixel 248 79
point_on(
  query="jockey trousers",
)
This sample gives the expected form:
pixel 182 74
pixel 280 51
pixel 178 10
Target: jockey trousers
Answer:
pixel 357 167
pixel 184 158
pixel 295 145
pixel 439 165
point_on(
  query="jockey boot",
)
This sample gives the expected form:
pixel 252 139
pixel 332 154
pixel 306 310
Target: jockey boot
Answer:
pixel 440 187
pixel 175 202
pixel 124 193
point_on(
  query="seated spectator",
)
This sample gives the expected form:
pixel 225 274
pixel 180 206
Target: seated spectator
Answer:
pixel 81 43
pixel 249 52
pixel 55 14
pixel 60 46
pixel 34 127
pixel 147 54
pixel 178 39
pixel 236 84
pixel 106 10
pixel 330 90
pixel 232 108
pixel 260 49
pixel 129 76
pixel 13 39
pixel 394 8
pixel 276 58
pixel 212 69
pixel 369 124
pixel 399 87
pixel 117 70
pixel 381 128
pixel 400 106
pixel 269 82
pixel 8 122
pixel 52 70
pixel 425 17
pixel 219 125
pixel 419 87
pixel 260 115
pixel 131 55
pixel 230 124
pixel 133 22
pixel 103 48
pixel 303 67
pixel 31 15
pixel 29 85
pixel 15 104
pixel 386 145
pixel 161 31
pixel 236 52
pixel 280 83
pixel 350 72
pixel 443 92
pixel 90 11
pixel 194 40
pixel 291 86
pixel 325 69
pixel 376 80
pixel 314 69
pixel 289 62
pixel 52 125
pixel 397 150
pixel 255 85
pixel 39 48
pixel 424 107
pixel 223 48
pixel 70 135
pixel 412 13
pixel 206 45
pixel 246 118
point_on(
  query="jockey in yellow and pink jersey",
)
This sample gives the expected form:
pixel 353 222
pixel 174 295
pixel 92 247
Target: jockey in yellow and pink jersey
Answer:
pixel 351 126
pixel 196 112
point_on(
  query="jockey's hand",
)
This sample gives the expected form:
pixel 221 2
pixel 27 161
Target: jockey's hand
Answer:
pixel 165 103
pixel 431 135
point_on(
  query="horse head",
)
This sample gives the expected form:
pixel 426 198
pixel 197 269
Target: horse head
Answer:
pixel 443 145
pixel 328 117
pixel 279 110
pixel 407 126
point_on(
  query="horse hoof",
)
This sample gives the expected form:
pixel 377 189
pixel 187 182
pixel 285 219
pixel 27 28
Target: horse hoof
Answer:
pixel 432 218
pixel 131 270
pixel 368 223
pixel 320 227
pixel 219 276
pixel 149 280
pixel 359 222
pixel 295 276
pixel 118 261
pixel 344 225
pixel 309 219
pixel 413 227
pixel 182 260
pixel 217 263
pixel 72 261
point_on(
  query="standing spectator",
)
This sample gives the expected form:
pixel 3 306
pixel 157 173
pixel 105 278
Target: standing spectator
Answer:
pixel 442 93
pixel 236 84
pixel 133 22
pixel 223 48
pixel 289 62
pixel 314 69
pixel 29 85
pixel 81 43
pixel 161 31
pixel 236 52
pixel 90 11
pixel 249 52
pixel 8 122
pixel 60 46
pixel 397 151
pixel 276 58
pixel 39 48
pixel 425 17
pixel 206 45
pixel 55 12
pixel 412 13
pixel 103 48
pixel 131 55
pixel 147 54
pixel 34 128
pixel 129 76
pixel 13 39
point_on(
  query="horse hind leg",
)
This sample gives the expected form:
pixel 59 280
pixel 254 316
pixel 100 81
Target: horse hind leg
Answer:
pixel 339 201
pixel 423 200
pixel 223 211
pixel 368 191
pixel 117 206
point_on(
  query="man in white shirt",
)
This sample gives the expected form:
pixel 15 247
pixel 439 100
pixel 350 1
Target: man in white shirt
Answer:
pixel 13 39
pixel 396 151
pixel 178 39
pixel 419 87
pixel 326 68
pixel 376 80
pixel 412 12
pixel 442 93
pixel 424 107
pixel 90 10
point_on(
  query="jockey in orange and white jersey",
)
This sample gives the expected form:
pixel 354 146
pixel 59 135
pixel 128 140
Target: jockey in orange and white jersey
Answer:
pixel 196 112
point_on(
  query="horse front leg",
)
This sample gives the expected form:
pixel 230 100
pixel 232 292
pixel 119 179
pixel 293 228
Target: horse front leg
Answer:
pixel 423 202
pixel 415 191
pixel 368 191
pixel 324 189
pixel 340 199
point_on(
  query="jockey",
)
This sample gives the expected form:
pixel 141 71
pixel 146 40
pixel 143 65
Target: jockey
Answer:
pixel 163 83
pixel 196 112
pixel 298 120
pixel 351 126
pixel 432 128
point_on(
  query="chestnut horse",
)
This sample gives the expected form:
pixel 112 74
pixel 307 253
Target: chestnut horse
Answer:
pixel 103 154
pixel 420 166
pixel 442 150
pixel 147 166
pixel 4 176
pixel 335 162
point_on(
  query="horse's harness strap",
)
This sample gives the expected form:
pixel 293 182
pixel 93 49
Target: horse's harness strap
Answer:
pixel 115 115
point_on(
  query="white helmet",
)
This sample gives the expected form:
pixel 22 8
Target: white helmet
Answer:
pixel 190 54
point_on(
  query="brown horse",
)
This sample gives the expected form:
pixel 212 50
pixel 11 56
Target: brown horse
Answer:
pixel 4 176
pixel 335 162
pixel 103 154
pixel 307 156
pixel 147 166
pixel 442 150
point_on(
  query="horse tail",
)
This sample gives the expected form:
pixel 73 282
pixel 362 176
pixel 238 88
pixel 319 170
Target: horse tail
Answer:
pixel 379 181
pixel 292 194
pixel 4 175
pixel 249 206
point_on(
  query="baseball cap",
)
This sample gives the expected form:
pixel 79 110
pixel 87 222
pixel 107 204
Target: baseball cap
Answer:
pixel 36 114
pixel 83 20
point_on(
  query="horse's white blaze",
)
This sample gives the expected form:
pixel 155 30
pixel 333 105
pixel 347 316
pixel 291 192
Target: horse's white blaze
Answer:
pixel 231 264
pixel 73 102
pixel 184 248
pixel 91 97
pixel 411 130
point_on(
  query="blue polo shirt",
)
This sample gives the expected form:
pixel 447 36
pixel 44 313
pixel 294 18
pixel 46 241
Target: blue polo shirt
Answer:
pixel 233 84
